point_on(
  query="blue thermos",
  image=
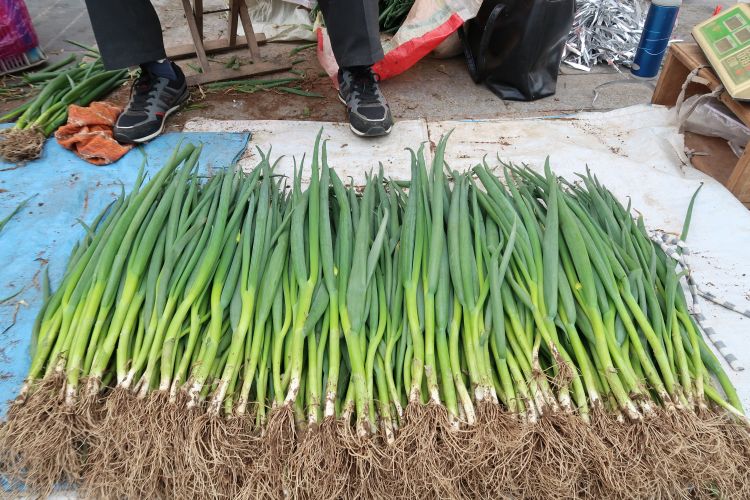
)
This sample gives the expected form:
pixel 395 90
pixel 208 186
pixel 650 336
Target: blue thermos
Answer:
pixel 657 31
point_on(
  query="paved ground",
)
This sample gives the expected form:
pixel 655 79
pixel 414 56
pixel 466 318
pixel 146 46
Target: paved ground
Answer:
pixel 433 89
pixel 58 20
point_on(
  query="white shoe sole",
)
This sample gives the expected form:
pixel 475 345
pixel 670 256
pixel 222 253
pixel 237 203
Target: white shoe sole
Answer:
pixel 363 134
pixel 141 140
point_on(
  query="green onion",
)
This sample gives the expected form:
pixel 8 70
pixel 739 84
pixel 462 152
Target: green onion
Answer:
pixel 39 117
pixel 461 335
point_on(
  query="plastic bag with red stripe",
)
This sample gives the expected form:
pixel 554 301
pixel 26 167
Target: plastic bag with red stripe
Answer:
pixel 427 25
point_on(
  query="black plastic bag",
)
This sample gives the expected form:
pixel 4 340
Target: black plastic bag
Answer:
pixel 515 46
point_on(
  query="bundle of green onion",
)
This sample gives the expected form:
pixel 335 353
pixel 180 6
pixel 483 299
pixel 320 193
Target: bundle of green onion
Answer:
pixel 61 86
pixel 288 85
pixel 392 14
pixel 459 335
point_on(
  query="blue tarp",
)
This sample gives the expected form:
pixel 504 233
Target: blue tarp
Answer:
pixel 42 235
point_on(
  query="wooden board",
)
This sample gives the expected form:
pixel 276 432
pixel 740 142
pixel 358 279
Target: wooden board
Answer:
pixel 691 56
pixel 200 48
pixel 739 180
pixel 720 163
pixel 219 74
pixel 673 76
pixel 714 157
pixel 212 47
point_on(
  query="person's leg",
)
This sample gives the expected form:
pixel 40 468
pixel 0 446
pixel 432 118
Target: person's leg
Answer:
pixel 355 39
pixel 128 33
pixel 353 28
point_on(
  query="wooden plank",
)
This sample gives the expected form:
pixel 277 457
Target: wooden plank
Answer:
pixel 741 110
pixel 677 67
pixel 211 47
pixel 691 55
pixel 719 161
pixel 219 74
pixel 716 158
pixel 672 76
pixel 739 180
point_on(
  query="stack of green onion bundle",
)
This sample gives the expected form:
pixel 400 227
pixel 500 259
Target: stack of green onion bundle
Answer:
pixel 61 86
pixel 459 335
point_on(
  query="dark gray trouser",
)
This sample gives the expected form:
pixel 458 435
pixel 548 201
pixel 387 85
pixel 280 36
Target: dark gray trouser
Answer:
pixel 128 32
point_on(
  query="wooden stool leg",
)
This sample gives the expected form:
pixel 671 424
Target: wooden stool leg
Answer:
pixel 234 12
pixel 238 13
pixel 198 12
pixel 200 50
pixel 673 75
pixel 247 25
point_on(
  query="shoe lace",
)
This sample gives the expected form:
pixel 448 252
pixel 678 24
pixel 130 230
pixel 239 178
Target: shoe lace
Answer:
pixel 143 92
pixel 365 85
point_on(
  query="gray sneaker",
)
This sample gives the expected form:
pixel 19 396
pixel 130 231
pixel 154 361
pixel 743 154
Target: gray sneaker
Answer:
pixel 152 99
pixel 369 114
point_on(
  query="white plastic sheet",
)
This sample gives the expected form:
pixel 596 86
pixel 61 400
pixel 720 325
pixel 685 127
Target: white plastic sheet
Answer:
pixel 281 20
pixel 351 155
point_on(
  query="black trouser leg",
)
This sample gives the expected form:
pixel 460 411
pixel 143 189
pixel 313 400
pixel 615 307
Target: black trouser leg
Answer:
pixel 354 31
pixel 127 32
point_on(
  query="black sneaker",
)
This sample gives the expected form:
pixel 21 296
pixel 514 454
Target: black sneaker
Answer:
pixel 369 114
pixel 152 99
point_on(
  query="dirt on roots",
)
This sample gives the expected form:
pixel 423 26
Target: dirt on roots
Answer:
pixel 44 440
pixel 20 145
pixel 122 446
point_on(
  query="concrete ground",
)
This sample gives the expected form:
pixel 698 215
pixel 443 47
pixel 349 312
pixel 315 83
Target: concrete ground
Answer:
pixel 433 90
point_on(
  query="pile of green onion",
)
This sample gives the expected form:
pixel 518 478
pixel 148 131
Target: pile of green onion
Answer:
pixel 60 86
pixel 463 335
